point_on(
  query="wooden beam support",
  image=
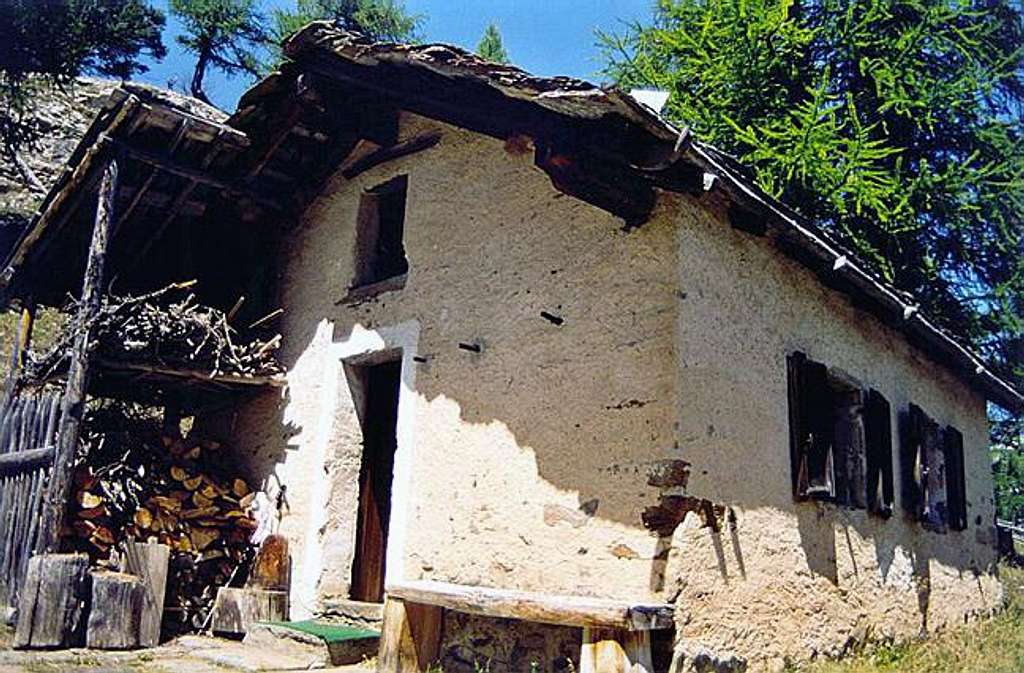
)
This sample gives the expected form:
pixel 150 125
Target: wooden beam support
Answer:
pixel 535 607
pixel 410 639
pixel 385 154
pixel 140 192
pixel 193 374
pixel 22 461
pixel 616 651
pixel 168 165
pixel 73 403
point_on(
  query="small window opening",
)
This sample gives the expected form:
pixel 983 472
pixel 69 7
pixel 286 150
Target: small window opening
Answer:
pixel 956 480
pixel 840 441
pixel 380 249
pixel 878 437
pixel 934 481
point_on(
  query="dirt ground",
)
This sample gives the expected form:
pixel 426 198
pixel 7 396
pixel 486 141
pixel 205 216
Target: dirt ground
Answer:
pixel 192 654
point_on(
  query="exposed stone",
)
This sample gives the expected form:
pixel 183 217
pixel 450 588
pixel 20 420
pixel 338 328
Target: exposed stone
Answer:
pixel 624 551
pixel 556 514
pixel 669 474
pixel 697 659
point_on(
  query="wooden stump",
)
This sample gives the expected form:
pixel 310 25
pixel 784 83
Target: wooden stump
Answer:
pixel 51 609
pixel 235 609
pixel 272 566
pixel 149 562
pixel 615 651
pixel 114 616
pixel 410 640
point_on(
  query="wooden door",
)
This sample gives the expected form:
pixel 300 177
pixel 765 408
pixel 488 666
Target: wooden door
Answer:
pixel 382 383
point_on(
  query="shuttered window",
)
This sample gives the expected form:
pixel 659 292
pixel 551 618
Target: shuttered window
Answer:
pixel 810 429
pixel 956 482
pixel 923 467
pixel 878 438
pixel 840 438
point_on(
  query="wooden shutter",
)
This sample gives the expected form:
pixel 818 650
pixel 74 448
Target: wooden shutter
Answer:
pixel 935 511
pixel 810 429
pixel 956 482
pixel 912 461
pixel 878 438
pixel 848 445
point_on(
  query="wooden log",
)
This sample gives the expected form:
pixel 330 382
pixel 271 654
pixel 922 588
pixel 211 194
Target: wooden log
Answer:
pixel 535 607
pixel 116 611
pixel 410 638
pixel 52 516
pixel 390 153
pixel 615 651
pixel 272 566
pixel 51 608
pixel 149 562
pixel 235 609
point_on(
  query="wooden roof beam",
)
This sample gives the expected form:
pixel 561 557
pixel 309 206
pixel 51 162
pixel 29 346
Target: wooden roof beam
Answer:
pixel 167 164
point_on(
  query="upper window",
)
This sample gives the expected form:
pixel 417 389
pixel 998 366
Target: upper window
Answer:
pixel 380 250
pixel 932 461
pixel 840 439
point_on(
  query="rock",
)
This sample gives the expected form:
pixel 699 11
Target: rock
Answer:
pixel 690 658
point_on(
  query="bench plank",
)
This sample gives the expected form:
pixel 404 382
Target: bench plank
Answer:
pixel 536 607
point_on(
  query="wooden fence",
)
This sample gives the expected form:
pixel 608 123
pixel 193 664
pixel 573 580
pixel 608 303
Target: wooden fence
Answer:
pixel 28 432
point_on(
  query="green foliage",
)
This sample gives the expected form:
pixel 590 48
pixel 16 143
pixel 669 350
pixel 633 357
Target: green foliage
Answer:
pixel 896 124
pixel 490 46
pixel 1008 474
pixel 50 42
pixel 227 35
pixel 380 19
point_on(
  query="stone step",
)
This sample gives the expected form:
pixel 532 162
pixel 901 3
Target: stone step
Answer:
pixel 317 644
pixel 353 613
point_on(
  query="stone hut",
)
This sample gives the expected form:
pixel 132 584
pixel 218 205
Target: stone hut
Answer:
pixel 564 387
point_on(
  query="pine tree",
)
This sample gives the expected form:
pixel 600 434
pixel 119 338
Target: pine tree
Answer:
pixel 380 19
pixel 51 42
pixel 227 35
pixel 896 124
pixel 490 46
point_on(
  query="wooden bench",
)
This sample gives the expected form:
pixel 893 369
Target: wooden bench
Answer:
pixel 616 634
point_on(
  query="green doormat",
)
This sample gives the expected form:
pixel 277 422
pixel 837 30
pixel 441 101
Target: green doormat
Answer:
pixel 329 633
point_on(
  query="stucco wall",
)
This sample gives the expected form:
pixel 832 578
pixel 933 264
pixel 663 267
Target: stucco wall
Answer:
pixel 800 580
pixel 525 465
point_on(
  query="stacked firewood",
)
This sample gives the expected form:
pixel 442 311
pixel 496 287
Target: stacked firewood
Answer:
pixel 166 328
pixel 133 482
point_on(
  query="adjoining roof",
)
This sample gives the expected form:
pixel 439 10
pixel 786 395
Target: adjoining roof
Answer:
pixel 601 145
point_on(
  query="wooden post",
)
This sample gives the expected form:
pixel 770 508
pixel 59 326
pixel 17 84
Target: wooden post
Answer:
pixel 22 341
pixel 615 651
pixel 236 609
pixel 149 562
pixel 410 639
pixel 73 404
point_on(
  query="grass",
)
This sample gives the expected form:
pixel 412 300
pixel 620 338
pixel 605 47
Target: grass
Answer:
pixel 994 645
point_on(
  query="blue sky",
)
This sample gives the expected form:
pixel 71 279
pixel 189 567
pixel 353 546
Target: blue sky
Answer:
pixel 546 37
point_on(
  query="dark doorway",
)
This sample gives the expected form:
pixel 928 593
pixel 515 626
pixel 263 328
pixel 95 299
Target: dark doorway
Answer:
pixel 380 384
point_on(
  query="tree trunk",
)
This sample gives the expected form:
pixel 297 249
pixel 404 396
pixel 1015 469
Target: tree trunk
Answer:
pixel 198 76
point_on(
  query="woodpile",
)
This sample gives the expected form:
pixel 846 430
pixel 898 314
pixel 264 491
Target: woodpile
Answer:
pixel 166 328
pixel 134 482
